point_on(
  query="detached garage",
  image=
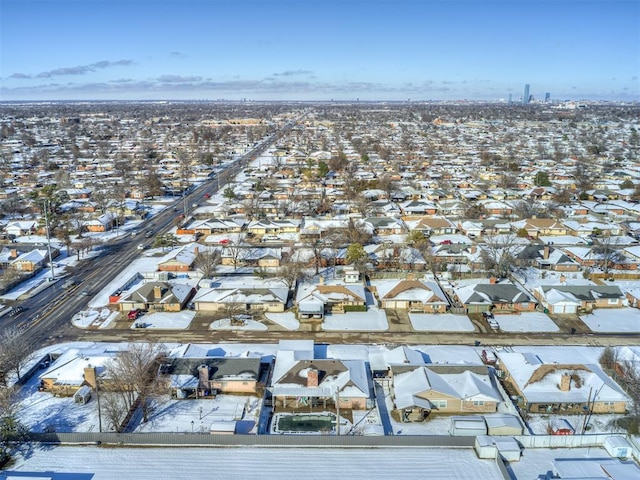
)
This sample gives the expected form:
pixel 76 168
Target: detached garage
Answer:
pixel 470 426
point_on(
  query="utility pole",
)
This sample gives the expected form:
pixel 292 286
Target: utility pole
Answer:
pixel 46 223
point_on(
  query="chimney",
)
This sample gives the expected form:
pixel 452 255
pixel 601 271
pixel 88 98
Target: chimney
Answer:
pixel 321 280
pixel 563 279
pixel 545 252
pixel 203 376
pixel 312 378
pixel 492 280
pixel 196 250
pixel 565 382
pixel 90 376
pixel 411 276
pixel 157 292
pixel 13 253
pixel 473 250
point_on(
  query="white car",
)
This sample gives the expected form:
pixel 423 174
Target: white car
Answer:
pixel 141 246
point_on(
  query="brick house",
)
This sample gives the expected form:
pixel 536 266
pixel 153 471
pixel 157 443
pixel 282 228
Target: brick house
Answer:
pixel 418 391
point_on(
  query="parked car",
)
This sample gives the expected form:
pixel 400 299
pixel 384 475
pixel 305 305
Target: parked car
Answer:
pixel 134 314
pixel 270 238
pixel 15 311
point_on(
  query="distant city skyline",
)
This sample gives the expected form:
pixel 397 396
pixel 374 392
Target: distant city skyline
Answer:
pixel 319 50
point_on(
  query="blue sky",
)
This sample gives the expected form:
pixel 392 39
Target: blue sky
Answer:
pixel 319 49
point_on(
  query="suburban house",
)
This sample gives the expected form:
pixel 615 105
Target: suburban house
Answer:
pixel 446 389
pixel 21 228
pixel 158 297
pixel 337 296
pixel 570 299
pixel 273 227
pixel 320 384
pixel 242 294
pixel 385 226
pixel 206 377
pixel 75 369
pixel 435 225
pixel 216 225
pixel 402 257
pixel 540 226
pixel 503 296
pixel 251 256
pixel 546 257
pixel 101 224
pixel 30 261
pixel 423 296
pixel 552 387
pixel 181 259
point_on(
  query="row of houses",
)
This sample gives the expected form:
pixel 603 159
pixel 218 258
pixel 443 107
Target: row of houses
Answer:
pixel 301 382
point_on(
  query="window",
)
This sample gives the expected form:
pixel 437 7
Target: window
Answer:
pixel 613 301
pixel 439 404
pixel 478 403
pixel 608 404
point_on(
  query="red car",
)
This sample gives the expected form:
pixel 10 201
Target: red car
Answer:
pixel 446 242
pixel 207 195
pixel 224 241
pixel 134 314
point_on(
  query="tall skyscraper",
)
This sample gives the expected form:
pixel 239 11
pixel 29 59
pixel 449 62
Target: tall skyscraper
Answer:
pixel 547 97
pixel 510 99
pixel 525 97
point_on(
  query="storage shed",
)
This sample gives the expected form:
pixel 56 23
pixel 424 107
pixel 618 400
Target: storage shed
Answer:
pixel 503 424
pixel 467 426
pixel 222 428
pixel 618 446
pixel 83 395
pixel 490 447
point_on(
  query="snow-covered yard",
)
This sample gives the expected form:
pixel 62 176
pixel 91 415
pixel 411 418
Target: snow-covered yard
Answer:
pixel 286 320
pixel 374 319
pixel 166 320
pixel 188 416
pixel 526 322
pixel 448 322
pixel 225 324
pixel 101 318
pixel 614 320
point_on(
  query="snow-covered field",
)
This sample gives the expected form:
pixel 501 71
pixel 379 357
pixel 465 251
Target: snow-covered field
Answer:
pixel 250 463
pixel 613 320
pixel 447 322
pixel 374 319
pixel 526 322
pixel 94 318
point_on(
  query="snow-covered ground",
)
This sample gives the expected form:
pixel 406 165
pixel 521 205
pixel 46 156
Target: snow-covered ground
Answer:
pixel 250 463
pixel 374 319
pixel 101 318
pixel 286 320
pixel 188 416
pixel 225 324
pixel 166 320
pixel 526 322
pixel 615 320
pixel 447 322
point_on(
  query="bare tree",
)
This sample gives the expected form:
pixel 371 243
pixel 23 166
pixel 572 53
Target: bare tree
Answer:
pixel 236 249
pixel 134 374
pixel 207 261
pixel 14 351
pixel 607 251
pixel 291 272
pixel 499 254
